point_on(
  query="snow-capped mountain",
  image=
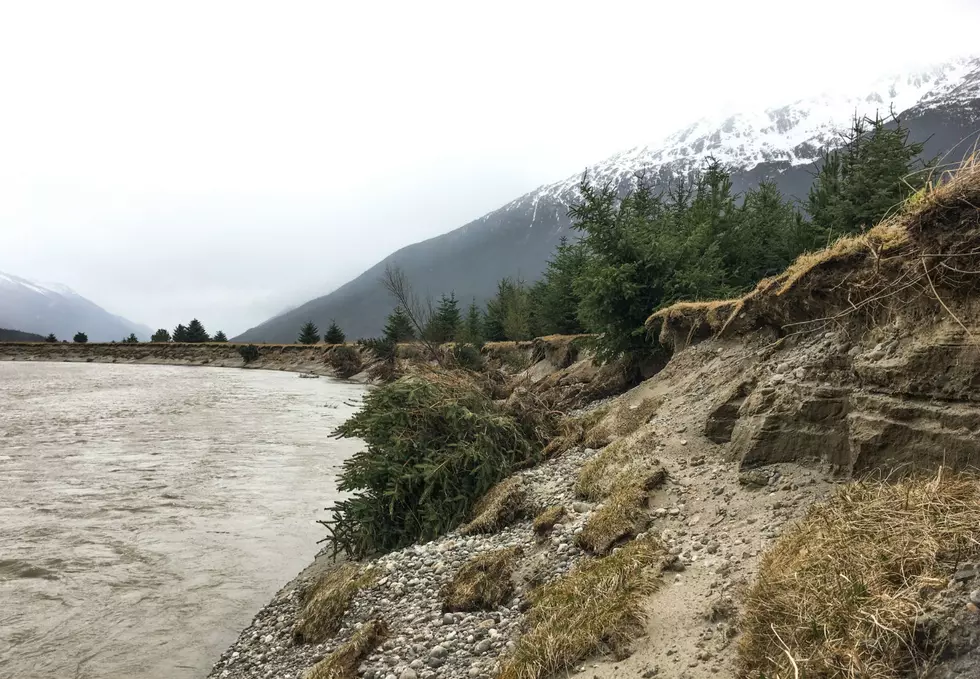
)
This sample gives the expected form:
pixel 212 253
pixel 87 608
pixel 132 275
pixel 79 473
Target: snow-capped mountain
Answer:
pixel 940 105
pixel 55 308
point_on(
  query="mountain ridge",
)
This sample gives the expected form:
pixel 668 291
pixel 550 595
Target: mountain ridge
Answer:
pixel 939 104
pixel 45 308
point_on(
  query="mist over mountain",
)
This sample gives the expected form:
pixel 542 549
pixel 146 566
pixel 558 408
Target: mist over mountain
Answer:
pixel 45 308
pixel 939 105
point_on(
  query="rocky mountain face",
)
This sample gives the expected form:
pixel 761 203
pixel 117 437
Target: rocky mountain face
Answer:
pixel 51 307
pixel 939 105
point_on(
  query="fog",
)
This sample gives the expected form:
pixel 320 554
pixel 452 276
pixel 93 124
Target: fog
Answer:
pixel 227 160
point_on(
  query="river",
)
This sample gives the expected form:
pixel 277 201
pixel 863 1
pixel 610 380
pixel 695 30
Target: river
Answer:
pixel 147 512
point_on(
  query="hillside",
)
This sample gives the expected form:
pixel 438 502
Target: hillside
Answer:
pixel 939 105
pixel 793 495
pixel 54 308
pixel 7 335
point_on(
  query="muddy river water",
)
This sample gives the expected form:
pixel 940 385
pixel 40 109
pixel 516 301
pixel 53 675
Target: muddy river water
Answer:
pixel 147 512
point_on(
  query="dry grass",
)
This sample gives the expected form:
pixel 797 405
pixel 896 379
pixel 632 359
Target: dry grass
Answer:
pixel 620 459
pixel 838 594
pixel 502 505
pixel 483 583
pixel 343 663
pixel 574 431
pixel 546 520
pixel 328 600
pixel 624 512
pixel 596 608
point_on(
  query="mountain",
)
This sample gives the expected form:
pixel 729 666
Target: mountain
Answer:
pixel 51 307
pixel 7 335
pixel 940 105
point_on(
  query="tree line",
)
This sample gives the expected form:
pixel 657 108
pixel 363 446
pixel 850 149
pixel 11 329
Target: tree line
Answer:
pixel 694 239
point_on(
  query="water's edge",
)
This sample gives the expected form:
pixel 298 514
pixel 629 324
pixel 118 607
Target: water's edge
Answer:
pixel 311 359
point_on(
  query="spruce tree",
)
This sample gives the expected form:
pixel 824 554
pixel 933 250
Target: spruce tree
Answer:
pixel 554 300
pixel 509 315
pixel 471 330
pixel 861 182
pixel 219 337
pixel 334 334
pixel 399 327
pixel 445 322
pixel 196 332
pixel 132 339
pixel 161 335
pixel 80 338
pixel 51 338
pixel 180 333
pixel 308 334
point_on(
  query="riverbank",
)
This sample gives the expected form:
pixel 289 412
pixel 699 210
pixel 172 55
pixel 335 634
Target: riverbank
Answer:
pixel 828 406
pixel 302 358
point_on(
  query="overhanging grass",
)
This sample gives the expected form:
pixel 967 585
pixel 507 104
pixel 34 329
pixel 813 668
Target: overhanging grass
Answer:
pixel 596 608
pixel 343 663
pixel 839 593
pixel 483 583
pixel 328 600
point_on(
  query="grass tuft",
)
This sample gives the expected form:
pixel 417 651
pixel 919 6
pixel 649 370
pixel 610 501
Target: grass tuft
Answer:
pixel 623 514
pixel 328 600
pixel 617 461
pixel 546 520
pixel 483 583
pixel 596 608
pixel 343 663
pixel 502 505
pixel 838 595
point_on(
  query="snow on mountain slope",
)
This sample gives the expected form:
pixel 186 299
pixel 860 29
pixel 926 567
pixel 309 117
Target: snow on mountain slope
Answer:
pixel 794 134
pixel 52 307
pixel 940 105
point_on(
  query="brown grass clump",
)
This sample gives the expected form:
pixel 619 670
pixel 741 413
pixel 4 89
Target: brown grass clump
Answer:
pixel 596 608
pixel 623 514
pixel 575 430
pixel 618 460
pixel 838 595
pixel 328 600
pixel 343 663
pixel 547 519
pixel 502 505
pixel 483 583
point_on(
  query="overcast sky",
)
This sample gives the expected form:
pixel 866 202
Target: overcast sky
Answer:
pixel 225 160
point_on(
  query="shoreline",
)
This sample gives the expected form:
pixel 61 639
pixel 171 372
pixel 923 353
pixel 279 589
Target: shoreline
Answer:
pixel 298 358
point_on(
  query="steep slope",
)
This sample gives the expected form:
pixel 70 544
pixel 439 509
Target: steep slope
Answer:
pixel 47 308
pixel 940 106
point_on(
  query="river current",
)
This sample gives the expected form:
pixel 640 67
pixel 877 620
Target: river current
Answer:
pixel 147 512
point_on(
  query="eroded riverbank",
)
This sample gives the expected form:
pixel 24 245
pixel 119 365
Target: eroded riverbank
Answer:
pixel 148 511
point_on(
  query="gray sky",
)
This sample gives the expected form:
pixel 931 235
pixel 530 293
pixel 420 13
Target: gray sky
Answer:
pixel 226 160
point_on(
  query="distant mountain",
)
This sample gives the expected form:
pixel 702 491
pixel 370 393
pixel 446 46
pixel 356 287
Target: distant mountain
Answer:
pixel 44 308
pixel 7 335
pixel 940 105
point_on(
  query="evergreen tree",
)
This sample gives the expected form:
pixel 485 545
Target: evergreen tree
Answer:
pixel 445 322
pixel 219 337
pixel 399 327
pixel 132 339
pixel 51 338
pixel 334 334
pixel 196 332
pixel 509 315
pixel 161 335
pixel 554 299
pixel 308 334
pixel 868 177
pixel 180 333
pixel 471 330
pixel 80 338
